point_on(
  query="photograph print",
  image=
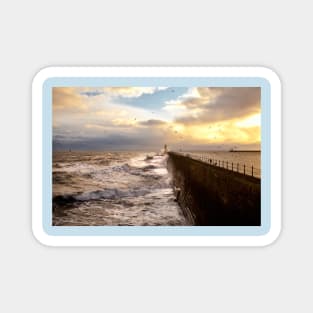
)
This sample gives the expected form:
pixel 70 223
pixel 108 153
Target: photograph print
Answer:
pixel 156 156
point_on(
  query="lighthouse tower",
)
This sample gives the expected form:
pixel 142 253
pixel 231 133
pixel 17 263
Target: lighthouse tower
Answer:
pixel 165 149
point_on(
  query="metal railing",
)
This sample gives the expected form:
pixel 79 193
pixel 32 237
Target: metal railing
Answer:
pixel 244 169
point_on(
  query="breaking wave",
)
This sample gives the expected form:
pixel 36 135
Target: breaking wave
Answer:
pixel 100 194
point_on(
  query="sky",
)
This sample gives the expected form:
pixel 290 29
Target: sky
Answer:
pixel 146 118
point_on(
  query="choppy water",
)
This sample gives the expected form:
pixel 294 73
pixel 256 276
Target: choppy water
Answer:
pixel 112 188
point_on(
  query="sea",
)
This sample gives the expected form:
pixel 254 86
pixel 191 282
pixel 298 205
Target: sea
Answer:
pixel 113 188
pixel 92 188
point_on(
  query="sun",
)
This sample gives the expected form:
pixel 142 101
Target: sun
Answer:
pixel 250 121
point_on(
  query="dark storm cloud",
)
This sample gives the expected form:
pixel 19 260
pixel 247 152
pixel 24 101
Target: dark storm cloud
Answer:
pixel 220 104
pixel 152 123
pixel 112 142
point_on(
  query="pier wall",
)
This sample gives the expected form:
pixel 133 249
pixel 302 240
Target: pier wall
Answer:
pixel 210 195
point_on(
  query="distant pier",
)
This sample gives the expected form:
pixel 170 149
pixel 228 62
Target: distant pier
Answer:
pixel 215 193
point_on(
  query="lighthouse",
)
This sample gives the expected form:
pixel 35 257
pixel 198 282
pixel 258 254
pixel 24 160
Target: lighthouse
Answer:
pixel 165 149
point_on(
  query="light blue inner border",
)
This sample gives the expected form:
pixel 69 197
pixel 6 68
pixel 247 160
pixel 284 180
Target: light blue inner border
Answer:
pixel 156 230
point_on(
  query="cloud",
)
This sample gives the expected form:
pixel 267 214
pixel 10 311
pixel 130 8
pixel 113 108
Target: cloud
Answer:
pixel 76 99
pixel 67 98
pixel 118 117
pixel 92 99
pixel 91 93
pixel 218 104
pixel 152 123
pixel 131 92
pixel 110 141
